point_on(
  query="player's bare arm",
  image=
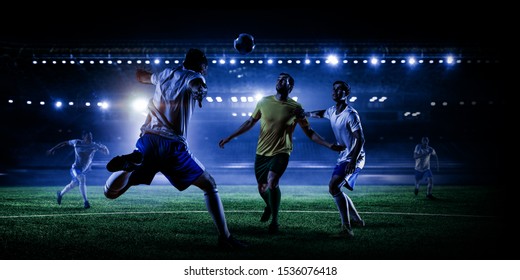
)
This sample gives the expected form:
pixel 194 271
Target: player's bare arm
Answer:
pixel 59 145
pixel 143 76
pixel 199 90
pixel 246 126
pixel 315 114
pixel 105 150
pixel 360 141
pixel 315 137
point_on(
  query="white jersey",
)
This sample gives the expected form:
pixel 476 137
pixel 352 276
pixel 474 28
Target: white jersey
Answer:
pixel 343 124
pixel 422 163
pixel 172 104
pixel 84 153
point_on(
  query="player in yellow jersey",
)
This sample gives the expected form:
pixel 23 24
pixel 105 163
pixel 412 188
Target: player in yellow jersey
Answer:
pixel 278 115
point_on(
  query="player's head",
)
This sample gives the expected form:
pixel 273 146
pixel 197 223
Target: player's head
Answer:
pixel 196 60
pixel 285 83
pixel 87 136
pixel 425 140
pixel 340 90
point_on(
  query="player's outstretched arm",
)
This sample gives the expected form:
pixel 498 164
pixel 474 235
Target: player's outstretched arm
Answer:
pixel 356 150
pixel 199 90
pixel 59 145
pixel 104 149
pixel 315 114
pixel 315 137
pixel 143 76
pixel 246 126
pixel 436 159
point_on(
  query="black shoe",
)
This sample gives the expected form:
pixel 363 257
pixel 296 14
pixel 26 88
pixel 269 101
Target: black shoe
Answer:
pixel 416 191
pixel 127 162
pixel 273 228
pixel 58 197
pixel 266 215
pixel 231 243
pixel 430 197
pixel 86 205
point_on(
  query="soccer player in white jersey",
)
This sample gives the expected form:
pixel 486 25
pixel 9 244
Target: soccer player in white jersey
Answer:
pixel 84 150
pixel 162 145
pixel 422 155
pixel 346 125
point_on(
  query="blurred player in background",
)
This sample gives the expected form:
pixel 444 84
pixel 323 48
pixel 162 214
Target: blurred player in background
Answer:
pixel 422 155
pixel 84 150
pixel 346 125
pixel 162 145
pixel 278 115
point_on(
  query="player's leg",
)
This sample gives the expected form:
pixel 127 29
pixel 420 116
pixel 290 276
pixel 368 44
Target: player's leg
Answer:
pixel 264 192
pixel 275 197
pixel 277 166
pixel 261 171
pixel 83 189
pixel 429 187
pixel 73 183
pixel 118 183
pixel 182 169
pixel 213 203
pixel 216 210
pixel 355 218
pixel 340 199
pixel 418 177
pixel 127 162
pixel 138 167
pixel 353 213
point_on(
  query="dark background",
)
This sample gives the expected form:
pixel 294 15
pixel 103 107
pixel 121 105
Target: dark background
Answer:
pixel 464 135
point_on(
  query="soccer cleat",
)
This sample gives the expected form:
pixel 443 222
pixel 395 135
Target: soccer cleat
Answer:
pixel 345 184
pixel 86 205
pixel 58 197
pixel 273 228
pixel 430 197
pixel 127 162
pixel 359 223
pixel 266 215
pixel 231 243
pixel 416 191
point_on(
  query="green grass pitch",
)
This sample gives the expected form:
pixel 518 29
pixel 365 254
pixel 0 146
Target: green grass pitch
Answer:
pixel 161 223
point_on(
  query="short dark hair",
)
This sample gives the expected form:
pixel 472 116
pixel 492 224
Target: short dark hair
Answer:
pixel 194 60
pixel 344 85
pixel 291 79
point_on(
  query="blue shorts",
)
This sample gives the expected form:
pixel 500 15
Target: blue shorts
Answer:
pixel 170 157
pixel 351 179
pixel 74 173
pixel 423 175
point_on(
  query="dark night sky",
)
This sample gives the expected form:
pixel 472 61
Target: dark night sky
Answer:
pixel 445 25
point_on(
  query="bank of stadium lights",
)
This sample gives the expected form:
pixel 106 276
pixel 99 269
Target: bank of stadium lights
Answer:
pixel 412 114
pixel 248 99
pixel 330 60
pixel 378 99
pixel 59 104
pixel 242 114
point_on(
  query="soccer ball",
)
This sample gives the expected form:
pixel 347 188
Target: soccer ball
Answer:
pixel 244 43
